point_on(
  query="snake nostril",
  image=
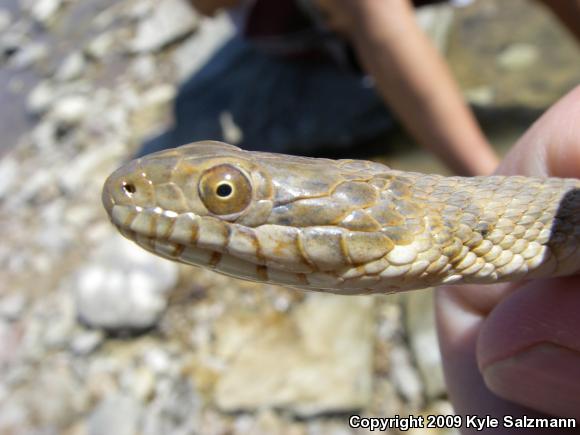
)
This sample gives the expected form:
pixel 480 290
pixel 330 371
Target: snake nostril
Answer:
pixel 128 188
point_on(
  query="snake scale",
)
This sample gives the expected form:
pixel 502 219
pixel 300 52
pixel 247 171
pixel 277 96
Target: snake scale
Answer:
pixel 343 226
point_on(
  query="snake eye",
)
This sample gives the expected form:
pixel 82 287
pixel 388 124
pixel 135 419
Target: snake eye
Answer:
pixel 224 190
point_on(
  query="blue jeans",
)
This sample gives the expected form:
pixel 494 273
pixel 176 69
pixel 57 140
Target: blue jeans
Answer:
pixel 280 105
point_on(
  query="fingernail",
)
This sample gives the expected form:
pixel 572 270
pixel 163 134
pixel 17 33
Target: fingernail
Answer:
pixel 545 377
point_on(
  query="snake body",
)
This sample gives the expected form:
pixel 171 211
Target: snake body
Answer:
pixel 344 226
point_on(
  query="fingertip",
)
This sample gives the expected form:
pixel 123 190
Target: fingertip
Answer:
pixel 539 311
pixel 528 349
pixel 543 377
pixel 459 325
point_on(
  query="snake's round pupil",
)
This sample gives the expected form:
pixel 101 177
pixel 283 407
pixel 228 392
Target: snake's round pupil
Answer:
pixel 224 190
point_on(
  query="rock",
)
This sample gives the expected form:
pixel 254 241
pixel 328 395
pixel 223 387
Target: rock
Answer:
pixel 123 287
pixel 481 95
pixel 56 321
pixel 266 422
pixel 28 55
pixel 140 382
pixel 10 43
pixel 12 306
pixel 40 98
pixel 107 17
pixel 115 415
pixel 47 398
pixel 43 11
pixel 86 170
pixel 101 46
pixel 436 21
pixel 192 55
pixel 43 137
pixel 518 56
pixel 86 342
pixel 170 21
pixel 175 410
pixel 158 361
pixel 5 19
pixel 79 216
pixel 318 359
pixel 9 169
pixel 53 235
pixel 144 69
pixel 70 110
pixel 405 377
pixel 420 315
pixel 11 336
pixel 159 95
pixel 138 11
pixel 71 68
pixel 35 184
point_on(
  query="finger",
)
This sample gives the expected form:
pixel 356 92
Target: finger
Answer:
pixel 529 347
pixel 550 148
pixel 459 328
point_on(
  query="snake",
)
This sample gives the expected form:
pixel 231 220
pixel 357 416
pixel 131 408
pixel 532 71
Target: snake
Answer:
pixel 342 226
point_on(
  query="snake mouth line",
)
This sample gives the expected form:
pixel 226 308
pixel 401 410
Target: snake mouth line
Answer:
pixel 220 262
pixel 175 251
pixel 183 237
pixel 163 232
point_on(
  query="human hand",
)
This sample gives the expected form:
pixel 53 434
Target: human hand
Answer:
pixel 514 349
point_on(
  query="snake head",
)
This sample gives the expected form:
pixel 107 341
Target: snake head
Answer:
pixel 265 217
pixel 195 204
pixel 208 179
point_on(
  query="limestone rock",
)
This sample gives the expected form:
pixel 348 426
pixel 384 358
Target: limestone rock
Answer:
pixel 101 46
pixel 169 21
pixel 12 306
pixel 116 415
pixel 86 342
pixel 123 287
pixel 175 410
pixel 72 67
pixel 405 377
pixel 5 19
pixel 144 69
pixel 436 21
pixel 213 32
pixel 315 361
pixel 28 55
pixel 518 56
pixel 70 110
pixel 9 169
pixel 43 11
pixel 40 98
pixel 420 315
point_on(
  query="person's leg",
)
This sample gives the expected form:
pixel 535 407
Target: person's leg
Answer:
pixel 302 107
pixel 278 105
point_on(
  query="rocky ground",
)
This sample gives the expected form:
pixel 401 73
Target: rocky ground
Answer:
pixel 99 337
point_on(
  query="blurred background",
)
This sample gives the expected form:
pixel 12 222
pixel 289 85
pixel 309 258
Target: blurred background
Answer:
pixel 99 337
